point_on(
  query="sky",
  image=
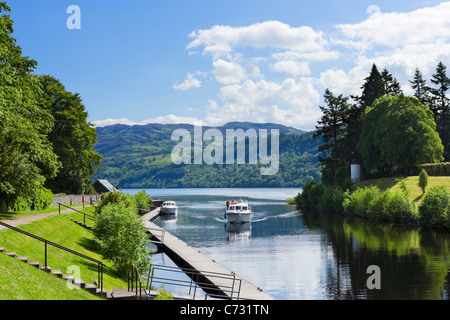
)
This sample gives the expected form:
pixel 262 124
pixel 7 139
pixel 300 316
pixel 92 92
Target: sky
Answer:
pixel 214 61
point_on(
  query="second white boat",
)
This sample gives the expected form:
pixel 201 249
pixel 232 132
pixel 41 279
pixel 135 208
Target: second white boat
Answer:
pixel 169 207
pixel 238 211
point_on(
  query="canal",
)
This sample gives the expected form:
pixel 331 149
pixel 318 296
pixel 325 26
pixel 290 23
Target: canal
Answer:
pixel 295 255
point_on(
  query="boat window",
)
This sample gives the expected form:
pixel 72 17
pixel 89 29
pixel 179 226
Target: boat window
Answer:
pixel 238 208
pixel 244 208
pixel 232 208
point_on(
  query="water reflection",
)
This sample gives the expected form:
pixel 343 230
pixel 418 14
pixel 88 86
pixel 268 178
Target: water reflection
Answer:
pixel 414 262
pixel 238 231
pixel 168 219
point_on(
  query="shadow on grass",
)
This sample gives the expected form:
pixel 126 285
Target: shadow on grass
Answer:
pixel 418 198
pixel 93 246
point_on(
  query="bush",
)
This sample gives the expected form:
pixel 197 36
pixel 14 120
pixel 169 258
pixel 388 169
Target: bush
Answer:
pixel 390 206
pixel 436 169
pixel 434 211
pixel 358 202
pixel 312 191
pixel 115 198
pixel 42 200
pixel 122 238
pixel 142 200
pixel 378 208
pixel 401 209
pixel 44 197
pixel 332 199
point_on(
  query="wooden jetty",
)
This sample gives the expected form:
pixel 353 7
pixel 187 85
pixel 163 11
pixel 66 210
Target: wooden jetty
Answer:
pixel 186 256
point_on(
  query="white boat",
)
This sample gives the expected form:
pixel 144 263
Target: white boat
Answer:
pixel 238 211
pixel 169 207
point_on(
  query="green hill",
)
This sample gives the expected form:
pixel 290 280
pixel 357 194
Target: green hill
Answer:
pixel 140 157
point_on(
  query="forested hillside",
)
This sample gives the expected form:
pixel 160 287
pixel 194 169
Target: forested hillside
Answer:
pixel 140 157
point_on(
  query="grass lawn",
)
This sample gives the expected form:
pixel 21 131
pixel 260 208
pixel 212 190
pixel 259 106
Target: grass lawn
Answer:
pixel 19 281
pixel 61 230
pixel 415 193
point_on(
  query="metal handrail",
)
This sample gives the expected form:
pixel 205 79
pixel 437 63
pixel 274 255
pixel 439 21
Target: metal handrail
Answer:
pixel 99 263
pixel 84 214
pixel 194 275
pixel 134 270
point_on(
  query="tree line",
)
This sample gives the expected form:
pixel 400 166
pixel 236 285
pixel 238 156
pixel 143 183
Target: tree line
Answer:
pixel 46 142
pixel 384 130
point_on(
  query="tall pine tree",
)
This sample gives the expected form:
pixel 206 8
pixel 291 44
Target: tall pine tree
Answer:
pixel 331 129
pixel 440 106
pixel 421 90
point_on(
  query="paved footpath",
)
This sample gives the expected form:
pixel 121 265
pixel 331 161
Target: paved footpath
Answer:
pixel 16 221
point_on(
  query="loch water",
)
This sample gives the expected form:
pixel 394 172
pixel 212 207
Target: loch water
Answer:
pixel 309 255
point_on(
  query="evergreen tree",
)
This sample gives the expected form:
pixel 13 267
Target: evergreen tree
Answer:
pixel 331 129
pixel 421 90
pixel 440 106
pixel 372 89
pixel 391 85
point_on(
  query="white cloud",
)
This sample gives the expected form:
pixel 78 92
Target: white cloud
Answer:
pixel 189 83
pixel 221 40
pixel 168 119
pixel 292 67
pixel 400 28
pixel 227 72
pixel 290 103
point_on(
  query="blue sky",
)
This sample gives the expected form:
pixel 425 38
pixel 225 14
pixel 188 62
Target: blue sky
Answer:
pixel 167 61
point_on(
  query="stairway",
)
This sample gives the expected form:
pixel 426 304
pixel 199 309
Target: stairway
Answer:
pixel 91 287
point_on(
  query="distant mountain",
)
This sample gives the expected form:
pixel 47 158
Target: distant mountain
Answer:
pixel 140 156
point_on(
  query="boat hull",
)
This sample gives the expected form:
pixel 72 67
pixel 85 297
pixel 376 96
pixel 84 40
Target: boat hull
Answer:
pixel 238 217
pixel 169 210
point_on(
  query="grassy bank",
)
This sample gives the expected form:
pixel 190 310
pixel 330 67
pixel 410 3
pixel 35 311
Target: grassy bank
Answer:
pixel 390 199
pixel 61 230
pixel 414 192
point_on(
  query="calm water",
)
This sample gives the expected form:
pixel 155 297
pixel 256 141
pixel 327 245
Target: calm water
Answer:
pixel 309 255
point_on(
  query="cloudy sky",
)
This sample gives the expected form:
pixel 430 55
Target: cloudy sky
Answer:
pixel 172 61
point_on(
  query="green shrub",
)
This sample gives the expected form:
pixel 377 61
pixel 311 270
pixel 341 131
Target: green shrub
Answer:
pixel 122 237
pixel 115 198
pixel 44 197
pixel 434 211
pixel 436 169
pixel 19 203
pixel 332 199
pixel 142 200
pixel 358 202
pixel 401 209
pixel 378 208
pixel 390 206
pixel 311 193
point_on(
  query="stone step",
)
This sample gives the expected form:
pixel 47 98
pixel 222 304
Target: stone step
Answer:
pixel 22 258
pixel 57 273
pixel 11 254
pixel 34 264
pixel 91 288
pixel 45 268
pixel 79 283
pixel 2 249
